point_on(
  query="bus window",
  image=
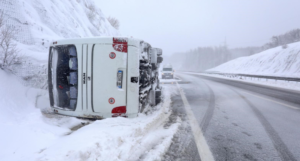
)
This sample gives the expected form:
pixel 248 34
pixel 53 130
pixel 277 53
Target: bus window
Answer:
pixel 73 63
pixel 63 66
pixel 73 78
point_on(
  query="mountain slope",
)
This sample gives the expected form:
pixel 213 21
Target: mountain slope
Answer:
pixel 274 62
pixel 39 23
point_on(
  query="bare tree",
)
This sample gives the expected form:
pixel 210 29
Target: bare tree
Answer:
pixel 1 19
pixel 9 52
pixel 8 49
pixel 114 22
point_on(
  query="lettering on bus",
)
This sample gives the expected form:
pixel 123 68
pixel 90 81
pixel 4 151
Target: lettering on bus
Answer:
pixel 83 78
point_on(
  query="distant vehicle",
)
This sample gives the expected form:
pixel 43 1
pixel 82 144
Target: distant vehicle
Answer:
pixel 103 77
pixel 167 72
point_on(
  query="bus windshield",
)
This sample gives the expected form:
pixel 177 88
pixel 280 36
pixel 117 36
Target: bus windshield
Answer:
pixel 63 76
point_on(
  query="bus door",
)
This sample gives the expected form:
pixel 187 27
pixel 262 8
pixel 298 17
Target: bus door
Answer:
pixel 109 75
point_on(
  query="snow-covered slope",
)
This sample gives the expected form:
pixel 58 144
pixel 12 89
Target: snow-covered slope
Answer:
pixel 24 130
pixel 40 22
pixel 274 62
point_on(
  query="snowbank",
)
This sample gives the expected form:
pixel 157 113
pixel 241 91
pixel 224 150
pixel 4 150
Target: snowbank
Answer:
pixel 27 134
pixel 273 62
pixel 24 130
pixel 118 139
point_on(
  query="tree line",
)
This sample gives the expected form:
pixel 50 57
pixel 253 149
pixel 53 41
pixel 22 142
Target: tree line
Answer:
pixel 203 58
pixel 283 39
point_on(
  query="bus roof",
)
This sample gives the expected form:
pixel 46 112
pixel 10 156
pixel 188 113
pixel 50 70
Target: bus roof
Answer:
pixel 99 40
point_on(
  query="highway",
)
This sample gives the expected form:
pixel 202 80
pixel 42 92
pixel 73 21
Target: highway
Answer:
pixel 238 120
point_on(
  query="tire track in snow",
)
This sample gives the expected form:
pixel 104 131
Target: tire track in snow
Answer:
pixel 210 110
pixel 279 145
pixel 183 146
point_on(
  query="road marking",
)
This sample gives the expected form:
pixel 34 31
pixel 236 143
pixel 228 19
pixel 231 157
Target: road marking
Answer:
pixel 289 106
pixel 202 146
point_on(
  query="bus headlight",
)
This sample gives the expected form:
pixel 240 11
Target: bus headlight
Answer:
pixel 162 73
pixel 171 73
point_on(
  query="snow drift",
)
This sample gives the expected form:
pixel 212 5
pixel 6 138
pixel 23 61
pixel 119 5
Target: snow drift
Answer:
pixel 28 134
pixel 273 62
pixel 24 130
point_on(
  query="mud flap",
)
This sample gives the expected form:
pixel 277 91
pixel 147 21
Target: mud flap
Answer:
pixel 157 96
pixel 152 100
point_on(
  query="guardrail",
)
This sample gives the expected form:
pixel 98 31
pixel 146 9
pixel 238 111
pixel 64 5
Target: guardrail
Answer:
pixel 231 75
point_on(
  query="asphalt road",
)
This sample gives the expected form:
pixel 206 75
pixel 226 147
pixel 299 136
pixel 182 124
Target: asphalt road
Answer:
pixel 239 121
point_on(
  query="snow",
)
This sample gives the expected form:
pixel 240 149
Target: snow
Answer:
pixel 169 80
pixel 24 130
pixel 28 134
pixel 272 62
pixel 42 22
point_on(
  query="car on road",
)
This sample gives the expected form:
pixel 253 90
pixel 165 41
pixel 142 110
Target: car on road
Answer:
pixel 167 72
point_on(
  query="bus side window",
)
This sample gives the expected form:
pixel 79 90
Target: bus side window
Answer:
pixel 73 79
pixel 73 63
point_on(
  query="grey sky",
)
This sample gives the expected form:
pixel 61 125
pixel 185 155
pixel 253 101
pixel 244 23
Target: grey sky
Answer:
pixel 180 25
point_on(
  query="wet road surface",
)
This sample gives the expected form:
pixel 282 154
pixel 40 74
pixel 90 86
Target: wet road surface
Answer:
pixel 240 121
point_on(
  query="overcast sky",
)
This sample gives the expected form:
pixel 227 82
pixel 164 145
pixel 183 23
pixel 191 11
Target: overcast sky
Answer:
pixel 181 25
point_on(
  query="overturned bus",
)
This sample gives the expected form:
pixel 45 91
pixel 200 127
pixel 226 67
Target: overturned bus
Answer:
pixel 103 77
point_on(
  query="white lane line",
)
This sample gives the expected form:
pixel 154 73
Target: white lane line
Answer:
pixel 289 106
pixel 202 146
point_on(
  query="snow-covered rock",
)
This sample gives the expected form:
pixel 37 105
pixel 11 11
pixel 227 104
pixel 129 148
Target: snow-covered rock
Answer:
pixel 278 61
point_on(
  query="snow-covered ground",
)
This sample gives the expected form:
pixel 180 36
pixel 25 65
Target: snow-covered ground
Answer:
pixel 28 134
pixel 273 62
pixel 169 80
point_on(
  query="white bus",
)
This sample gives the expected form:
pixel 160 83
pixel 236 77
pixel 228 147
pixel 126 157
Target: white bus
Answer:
pixel 103 77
